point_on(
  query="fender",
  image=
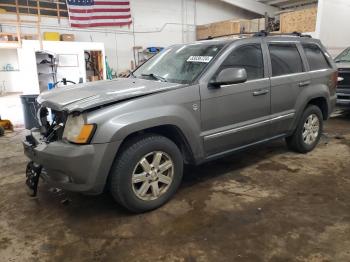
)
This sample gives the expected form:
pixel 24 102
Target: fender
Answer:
pixel 308 94
pixel 117 122
pixel 181 120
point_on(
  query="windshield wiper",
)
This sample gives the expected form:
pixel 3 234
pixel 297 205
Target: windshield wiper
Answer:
pixel 132 74
pixel 156 77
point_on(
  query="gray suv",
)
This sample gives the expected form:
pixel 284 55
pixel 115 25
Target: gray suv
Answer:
pixel 189 104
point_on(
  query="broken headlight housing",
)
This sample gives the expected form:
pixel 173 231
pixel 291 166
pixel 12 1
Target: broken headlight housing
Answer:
pixel 77 131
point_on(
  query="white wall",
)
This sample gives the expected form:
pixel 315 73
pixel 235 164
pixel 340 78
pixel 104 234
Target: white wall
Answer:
pixel 155 22
pixel 28 61
pixel 9 80
pixel 209 11
pixel 8 56
pixel 333 19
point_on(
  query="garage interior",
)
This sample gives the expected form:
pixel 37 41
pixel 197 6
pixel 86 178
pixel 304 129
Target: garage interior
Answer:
pixel 265 203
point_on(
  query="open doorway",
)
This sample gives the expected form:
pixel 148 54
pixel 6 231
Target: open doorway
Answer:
pixel 93 65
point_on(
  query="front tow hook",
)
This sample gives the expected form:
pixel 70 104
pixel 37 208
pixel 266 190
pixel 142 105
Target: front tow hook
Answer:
pixel 33 171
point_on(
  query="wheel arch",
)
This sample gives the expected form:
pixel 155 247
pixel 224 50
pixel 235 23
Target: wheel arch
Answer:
pixel 169 131
pixel 320 102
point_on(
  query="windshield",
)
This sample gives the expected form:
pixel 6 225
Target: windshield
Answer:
pixel 343 56
pixel 179 64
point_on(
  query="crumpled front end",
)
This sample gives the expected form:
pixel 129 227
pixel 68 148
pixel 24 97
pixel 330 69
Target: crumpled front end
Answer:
pixel 70 166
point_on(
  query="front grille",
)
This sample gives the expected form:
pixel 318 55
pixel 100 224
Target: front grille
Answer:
pixel 345 74
pixel 342 97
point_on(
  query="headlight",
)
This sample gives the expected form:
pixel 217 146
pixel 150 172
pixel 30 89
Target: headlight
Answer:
pixel 77 131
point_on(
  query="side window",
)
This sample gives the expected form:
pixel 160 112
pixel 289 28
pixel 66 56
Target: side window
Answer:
pixel 315 57
pixel 249 57
pixel 285 59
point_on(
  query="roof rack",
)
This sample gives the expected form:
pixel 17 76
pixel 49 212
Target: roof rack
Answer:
pixel 264 33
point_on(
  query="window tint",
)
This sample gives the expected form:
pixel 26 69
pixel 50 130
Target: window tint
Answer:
pixel 285 59
pixel 315 57
pixel 249 57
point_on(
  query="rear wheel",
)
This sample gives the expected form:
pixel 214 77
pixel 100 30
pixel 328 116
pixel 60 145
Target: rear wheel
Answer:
pixel 308 132
pixel 147 173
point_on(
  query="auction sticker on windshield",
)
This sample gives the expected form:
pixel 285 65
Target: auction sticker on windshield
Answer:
pixel 200 59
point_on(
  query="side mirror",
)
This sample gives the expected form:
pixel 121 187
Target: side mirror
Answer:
pixel 230 76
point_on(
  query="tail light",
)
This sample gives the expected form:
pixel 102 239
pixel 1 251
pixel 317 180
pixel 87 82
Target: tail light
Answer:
pixel 334 79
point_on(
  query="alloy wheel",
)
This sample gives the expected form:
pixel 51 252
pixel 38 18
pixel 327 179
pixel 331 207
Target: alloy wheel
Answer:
pixel 311 129
pixel 152 175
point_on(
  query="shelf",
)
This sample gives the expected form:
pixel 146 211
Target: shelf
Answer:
pixel 45 73
pixel 8 42
pixel 48 64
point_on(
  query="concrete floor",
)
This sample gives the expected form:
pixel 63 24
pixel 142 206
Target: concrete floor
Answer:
pixel 265 204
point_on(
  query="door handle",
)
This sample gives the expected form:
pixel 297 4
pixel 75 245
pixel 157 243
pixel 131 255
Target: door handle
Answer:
pixel 306 83
pixel 260 92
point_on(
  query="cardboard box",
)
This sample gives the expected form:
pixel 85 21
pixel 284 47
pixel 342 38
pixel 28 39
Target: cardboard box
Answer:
pixel 230 27
pixel 29 37
pixel 67 37
pixel 51 36
pixel 93 78
pixel 257 25
pixel 203 32
pixel 224 28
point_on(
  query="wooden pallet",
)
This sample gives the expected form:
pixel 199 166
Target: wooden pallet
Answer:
pixel 49 8
pixel 299 21
pixel 17 37
pixel 230 27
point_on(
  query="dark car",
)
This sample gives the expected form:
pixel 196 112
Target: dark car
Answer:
pixel 343 89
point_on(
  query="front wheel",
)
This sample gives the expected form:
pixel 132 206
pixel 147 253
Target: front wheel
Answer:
pixel 308 132
pixel 147 173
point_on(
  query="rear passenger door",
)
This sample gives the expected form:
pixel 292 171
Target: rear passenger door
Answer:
pixel 320 69
pixel 288 78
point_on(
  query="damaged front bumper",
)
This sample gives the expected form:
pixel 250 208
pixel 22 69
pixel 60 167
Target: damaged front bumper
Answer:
pixel 80 168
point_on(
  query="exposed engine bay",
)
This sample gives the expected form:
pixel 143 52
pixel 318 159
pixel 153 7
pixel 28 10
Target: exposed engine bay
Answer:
pixel 51 124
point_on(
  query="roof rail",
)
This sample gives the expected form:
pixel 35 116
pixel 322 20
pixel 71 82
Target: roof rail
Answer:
pixel 264 33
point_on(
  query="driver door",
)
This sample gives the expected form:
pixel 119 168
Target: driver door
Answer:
pixel 234 116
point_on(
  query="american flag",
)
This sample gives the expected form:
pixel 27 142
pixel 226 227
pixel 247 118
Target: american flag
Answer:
pixel 94 13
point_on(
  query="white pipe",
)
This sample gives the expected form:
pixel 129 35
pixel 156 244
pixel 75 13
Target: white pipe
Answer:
pixel 98 30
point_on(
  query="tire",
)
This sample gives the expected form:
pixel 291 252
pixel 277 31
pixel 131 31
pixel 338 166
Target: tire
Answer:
pixel 133 183
pixel 297 142
pixel 2 131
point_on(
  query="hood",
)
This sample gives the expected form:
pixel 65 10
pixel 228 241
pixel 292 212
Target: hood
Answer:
pixel 85 96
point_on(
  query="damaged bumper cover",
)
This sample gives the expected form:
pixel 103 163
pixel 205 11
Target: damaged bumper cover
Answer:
pixel 80 168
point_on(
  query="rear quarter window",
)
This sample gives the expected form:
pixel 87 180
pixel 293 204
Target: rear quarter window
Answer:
pixel 315 57
pixel 285 59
